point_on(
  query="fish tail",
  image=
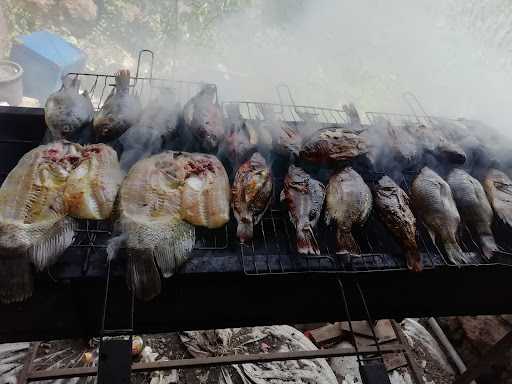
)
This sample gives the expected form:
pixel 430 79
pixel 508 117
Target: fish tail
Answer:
pixel 414 262
pixel 244 230
pixel 455 253
pixel 142 274
pixel 57 237
pixel 172 251
pixel 488 245
pixel 306 242
pixel 16 281
pixel 123 80
pixel 345 242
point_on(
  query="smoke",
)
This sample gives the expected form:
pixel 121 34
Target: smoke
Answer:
pixel 368 52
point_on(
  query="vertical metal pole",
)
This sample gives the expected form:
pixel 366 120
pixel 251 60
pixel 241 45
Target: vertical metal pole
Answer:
pixel 416 373
pixel 29 360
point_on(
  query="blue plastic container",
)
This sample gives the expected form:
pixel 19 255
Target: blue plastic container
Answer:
pixel 45 58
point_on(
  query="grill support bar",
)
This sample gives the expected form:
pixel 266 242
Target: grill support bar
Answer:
pixel 216 361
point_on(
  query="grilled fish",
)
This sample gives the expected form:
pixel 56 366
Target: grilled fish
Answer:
pixel 240 143
pixel 203 117
pixel 206 193
pixel 67 111
pixel 348 203
pixel 392 205
pixel 251 195
pixel 119 112
pixel 304 197
pixel 150 204
pixel 92 187
pixel 474 208
pixel 33 223
pixel 498 187
pixel 333 144
pixel 434 205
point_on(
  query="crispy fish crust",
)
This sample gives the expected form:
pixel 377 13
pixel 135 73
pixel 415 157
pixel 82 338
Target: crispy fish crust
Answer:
pixel 92 187
pixel 304 197
pixel 393 208
pixel 251 195
pixel 348 203
pixel 33 223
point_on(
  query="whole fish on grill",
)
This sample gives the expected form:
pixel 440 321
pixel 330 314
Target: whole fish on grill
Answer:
pixel 286 138
pixel 150 201
pixel 206 193
pixel 348 203
pixel 474 208
pixel 92 186
pixel 67 111
pixel 333 144
pixel 34 227
pixel 498 188
pixel 203 117
pixel 119 112
pixel 251 195
pixel 392 206
pixel 304 197
pixel 434 205
pixel 240 143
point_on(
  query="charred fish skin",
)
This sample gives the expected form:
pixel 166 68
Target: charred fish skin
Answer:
pixel 92 186
pixel 67 111
pixel 348 203
pixel 203 117
pixel 393 208
pixel 119 112
pixel 34 228
pixel 434 205
pixel 498 187
pixel 304 197
pixel 474 208
pixel 149 206
pixel 333 144
pixel 251 195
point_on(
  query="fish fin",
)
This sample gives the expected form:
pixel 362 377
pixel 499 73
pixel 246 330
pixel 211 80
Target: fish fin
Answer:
pixel 306 242
pixel 142 274
pixel 455 254
pixel 414 262
pixel 172 252
pixel 345 242
pixel 488 245
pixel 56 239
pixel 16 281
pixel 244 230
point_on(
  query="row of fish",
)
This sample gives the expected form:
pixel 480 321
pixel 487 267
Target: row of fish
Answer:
pixel 49 187
pixel 437 203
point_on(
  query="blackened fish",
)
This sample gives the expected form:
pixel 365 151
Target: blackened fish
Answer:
pixel 251 195
pixel 304 197
pixel 203 117
pixel 120 111
pixel 348 204
pixel 392 206
pixel 333 144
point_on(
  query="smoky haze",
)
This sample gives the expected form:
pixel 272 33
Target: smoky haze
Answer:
pixel 368 52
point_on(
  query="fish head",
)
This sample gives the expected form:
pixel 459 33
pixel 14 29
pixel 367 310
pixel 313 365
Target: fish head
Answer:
pixel 104 128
